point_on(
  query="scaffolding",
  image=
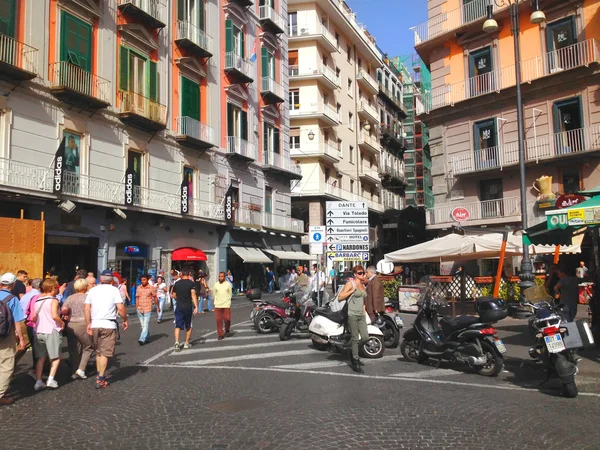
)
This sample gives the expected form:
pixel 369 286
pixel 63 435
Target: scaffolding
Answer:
pixel 416 79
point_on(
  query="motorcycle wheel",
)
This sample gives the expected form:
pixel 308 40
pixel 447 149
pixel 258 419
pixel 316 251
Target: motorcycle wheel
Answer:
pixel 285 331
pixel 494 363
pixel 410 351
pixel 391 335
pixel 373 347
pixel 570 390
pixel 319 345
pixel 264 323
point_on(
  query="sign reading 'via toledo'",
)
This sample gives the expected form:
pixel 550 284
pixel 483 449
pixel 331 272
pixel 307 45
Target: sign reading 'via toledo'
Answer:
pixel 347 226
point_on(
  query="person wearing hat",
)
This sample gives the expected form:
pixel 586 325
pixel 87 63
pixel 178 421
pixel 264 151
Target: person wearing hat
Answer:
pixel 101 306
pixel 11 328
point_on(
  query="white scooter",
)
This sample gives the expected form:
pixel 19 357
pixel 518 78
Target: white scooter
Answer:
pixel 327 332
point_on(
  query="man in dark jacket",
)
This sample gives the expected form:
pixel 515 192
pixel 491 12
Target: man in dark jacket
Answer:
pixel 375 299
pixel 81 273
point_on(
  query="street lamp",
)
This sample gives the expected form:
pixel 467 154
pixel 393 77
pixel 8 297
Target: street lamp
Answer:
pixel 490 26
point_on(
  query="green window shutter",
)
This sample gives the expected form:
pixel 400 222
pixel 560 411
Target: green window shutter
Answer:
pixel 244 116
pixel 265 137
pixel 228 36
pixel 180 9
pixel 265 62
pixel 276 140
pixel 201 14
pixel 190 98
pixel 124 69
pixel 8 11
pixel 230 131
pixel 152 81
pixel 76 41
pixel 243 49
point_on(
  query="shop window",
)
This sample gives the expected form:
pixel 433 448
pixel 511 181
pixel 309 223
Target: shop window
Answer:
pixel 570 180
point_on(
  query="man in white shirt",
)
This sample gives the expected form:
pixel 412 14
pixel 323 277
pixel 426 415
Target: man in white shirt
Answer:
pixel 101 305
pixel 318 282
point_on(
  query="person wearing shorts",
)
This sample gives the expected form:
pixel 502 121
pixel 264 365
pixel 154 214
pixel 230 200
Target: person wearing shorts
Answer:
pixel 48 333
pixel 184 292
pixel 101 306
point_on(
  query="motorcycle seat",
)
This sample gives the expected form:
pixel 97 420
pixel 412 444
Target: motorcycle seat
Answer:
pixel 282 305
pixel 334 316
pixel 450 325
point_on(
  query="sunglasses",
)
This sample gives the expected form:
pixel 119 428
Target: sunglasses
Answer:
pixel 360 273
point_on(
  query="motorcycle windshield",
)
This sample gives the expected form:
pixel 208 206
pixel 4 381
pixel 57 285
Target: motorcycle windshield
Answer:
pixel 302 294
pixel 284 283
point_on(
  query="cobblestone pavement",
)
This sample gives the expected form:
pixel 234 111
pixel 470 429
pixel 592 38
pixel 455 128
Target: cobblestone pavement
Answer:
pixel 252 391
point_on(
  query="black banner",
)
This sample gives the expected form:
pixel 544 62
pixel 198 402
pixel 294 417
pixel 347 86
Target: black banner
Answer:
pixel 129 176
pixel 229 215
pixel 184 209
pixel 58 175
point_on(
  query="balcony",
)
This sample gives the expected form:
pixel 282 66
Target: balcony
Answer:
pixel 581 54
pixel 18 61
pixel 248 217
pixel 193 133
pixel 75 86
pixel 390 171
pixel 367 81
pixel 488 211
pixel 323 74
pixel 315 111
pixel 392 200
pixel 395 101
pixel 283 223
pixel 193 39
pixel 238 68
pixel 147 12
pixel 451 20
pixel 278 164
pixel 390 137
pixel 541 148
pixel 271 91
pixel 270 20
pixel 18 176
pixel 368 143
pixel 142 112
pixel 369 175
pixel 324 152
pixel 243 3
pixel 238 148
pixel 311 32
pixel 368 112
pixel 329 191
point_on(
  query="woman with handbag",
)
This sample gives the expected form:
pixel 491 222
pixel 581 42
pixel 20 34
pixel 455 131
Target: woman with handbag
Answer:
pixel 78 340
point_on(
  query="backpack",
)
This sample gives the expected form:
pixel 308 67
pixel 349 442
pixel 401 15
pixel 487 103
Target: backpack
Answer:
pixel 6 317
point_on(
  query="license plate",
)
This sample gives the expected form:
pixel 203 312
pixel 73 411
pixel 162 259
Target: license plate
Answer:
pixel 500 345
pixel 398 321
pixel 554 343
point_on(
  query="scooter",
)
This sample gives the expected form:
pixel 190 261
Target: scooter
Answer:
pixel 465 339
pixel 300 318
pixel 390 324
pixel 328 332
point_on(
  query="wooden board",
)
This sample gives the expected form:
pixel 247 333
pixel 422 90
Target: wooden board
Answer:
pixel 22 246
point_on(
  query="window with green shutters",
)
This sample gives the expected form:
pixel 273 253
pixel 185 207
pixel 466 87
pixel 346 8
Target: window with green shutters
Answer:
pixel 8 11
pixel 268 63
pixel 191 11
pixel 234 39
pixel 75 41
pixel 137 73
pixel 271 139
pixel 190 99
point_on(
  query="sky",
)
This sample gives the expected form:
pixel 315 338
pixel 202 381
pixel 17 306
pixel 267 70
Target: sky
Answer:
pixel 389 21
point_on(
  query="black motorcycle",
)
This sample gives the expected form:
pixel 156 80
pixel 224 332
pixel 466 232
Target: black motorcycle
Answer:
pixel 390 324
pixel 302 313
pixel 465 339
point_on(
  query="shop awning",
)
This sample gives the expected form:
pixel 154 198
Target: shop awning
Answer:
pixel 251 255
pixel 188 254
pixel 290 255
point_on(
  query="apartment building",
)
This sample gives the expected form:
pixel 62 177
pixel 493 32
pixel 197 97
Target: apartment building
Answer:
pixel 472 116
pixel 333 109
pixel 164 108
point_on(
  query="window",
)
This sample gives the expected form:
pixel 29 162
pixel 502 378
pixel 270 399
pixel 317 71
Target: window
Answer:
pixel 339 147
pixel 294 99
pixel 490 193
pixel 327 174
pixel 268 63
pixel 570 180
pixel 293 24
pixel 351 154
pixel 8 17
pixel 481 75
pixel 188 176
pixel 337 72
pixel 349 87
pixel 351 121
pixel 560 35
pixel 337 40
pixel 349 53
pixel 568 124
pixel 338 109
pixel 326 137
pixel 268 199
pixel 138 75
pixel 271 139
pixel 359 62
pixel 75 41
pixel 191 11
pixel 234 40
pixel 190 99
pixel 485 142
pixel 295 138
pixel 134 165
pixel 324 61
pixel 352 186
pixel 237 122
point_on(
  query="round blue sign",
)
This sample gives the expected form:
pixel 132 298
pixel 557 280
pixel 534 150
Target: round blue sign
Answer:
pixel 317 236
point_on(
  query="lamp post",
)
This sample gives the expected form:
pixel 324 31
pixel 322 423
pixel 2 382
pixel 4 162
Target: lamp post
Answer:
pixel 490 26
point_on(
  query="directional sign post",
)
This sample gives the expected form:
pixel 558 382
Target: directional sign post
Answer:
pixel 347 231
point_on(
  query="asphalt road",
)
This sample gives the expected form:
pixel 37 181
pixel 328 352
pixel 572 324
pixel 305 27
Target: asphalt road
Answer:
pixel 252 391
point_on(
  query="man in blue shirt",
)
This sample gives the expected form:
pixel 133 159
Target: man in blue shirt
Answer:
pixel 8 347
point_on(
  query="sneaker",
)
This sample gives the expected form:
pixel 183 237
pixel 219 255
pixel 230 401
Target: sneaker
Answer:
pixel 177 347
pixel 39 385
pixel 80 374
pixel 101 384
pixel 187 345
pixel 158 321
pixel 220 338
pixel 141 343
pixel 52 384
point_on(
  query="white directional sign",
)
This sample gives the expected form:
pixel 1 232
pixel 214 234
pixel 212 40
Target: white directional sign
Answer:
pixel 316 234
pixel 347 228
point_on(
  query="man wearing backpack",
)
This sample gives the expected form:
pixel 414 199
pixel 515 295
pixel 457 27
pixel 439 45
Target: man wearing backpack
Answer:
pixel 11 314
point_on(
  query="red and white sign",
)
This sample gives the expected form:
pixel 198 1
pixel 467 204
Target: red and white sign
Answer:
pixel 460 214
pixel 566 200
